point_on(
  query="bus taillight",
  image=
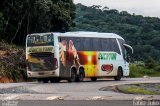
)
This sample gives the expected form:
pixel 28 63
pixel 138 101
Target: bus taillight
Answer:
pixel 55 63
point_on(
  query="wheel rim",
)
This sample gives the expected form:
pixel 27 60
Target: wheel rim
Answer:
pixel 81 76
pixel 73 76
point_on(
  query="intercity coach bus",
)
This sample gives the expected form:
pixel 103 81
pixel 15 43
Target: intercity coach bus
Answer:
pixel 74 56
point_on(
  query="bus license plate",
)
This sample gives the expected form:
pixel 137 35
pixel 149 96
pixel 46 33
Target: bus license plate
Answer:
pixel 41 73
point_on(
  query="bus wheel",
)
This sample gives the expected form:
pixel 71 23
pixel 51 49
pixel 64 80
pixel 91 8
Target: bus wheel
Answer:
pixel 81 75
pixel 55 80
pixel 119 75
pixel 73 77
pixel 93 78
pixel 39 80
pixel 45 80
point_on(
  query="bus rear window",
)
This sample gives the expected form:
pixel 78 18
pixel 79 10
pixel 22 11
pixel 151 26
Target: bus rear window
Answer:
pixel 35 40
pixel 41 62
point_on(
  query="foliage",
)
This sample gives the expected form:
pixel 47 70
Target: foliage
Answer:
pixel 12 64
pixel 157 68
pixel 19 18
pixel 137 70
pixel 143 33
pixel 150 63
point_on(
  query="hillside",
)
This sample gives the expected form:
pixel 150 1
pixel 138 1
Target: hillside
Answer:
pixel 142 33
pixel 12 63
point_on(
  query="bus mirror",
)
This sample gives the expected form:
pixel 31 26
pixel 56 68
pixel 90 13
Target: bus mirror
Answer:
pixel 128 48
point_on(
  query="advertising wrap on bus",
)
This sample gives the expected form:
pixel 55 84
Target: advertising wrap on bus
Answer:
pixel 95 63
pixel 40 49
pixel 74 56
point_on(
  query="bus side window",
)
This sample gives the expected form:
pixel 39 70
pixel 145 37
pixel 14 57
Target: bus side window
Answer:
pixel 114 45
pixel 125 53
pixel 88 44
pixel 49 38
pixel 38 39
pixel 96 44
pixel 105 45
pixel 29 40
pixel 122 47
pixel 78 43
pixel 59 39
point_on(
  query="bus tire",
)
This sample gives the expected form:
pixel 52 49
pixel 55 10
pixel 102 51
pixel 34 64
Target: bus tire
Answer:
pixel 55 80
pixel 45 80
pixel 119 75
pixel 93 78
pixel 81 75
pixel 39 80
pixel 73 77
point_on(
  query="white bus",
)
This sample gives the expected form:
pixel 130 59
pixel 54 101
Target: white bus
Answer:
pixel 76 55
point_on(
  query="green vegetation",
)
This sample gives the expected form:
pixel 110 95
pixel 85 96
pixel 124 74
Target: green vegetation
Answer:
pixel 12 64
pixel 136 90
pixel 138 70
pixel 158 87
pixel 142 33
pixel 19 18
pixel 140 88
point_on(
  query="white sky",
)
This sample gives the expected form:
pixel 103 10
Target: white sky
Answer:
pixel 139 7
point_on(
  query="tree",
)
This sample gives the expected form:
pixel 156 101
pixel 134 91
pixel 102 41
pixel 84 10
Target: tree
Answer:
pixel 150 63
pixel 142 33
pixel 1 23
pixel 34 16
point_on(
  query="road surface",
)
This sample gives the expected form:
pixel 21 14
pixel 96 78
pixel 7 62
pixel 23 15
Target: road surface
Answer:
pixel 86 90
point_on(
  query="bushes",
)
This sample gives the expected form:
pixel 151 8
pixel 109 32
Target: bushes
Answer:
pixel 157 68
pixel 12 64
pixel 137 70
pixel 150 63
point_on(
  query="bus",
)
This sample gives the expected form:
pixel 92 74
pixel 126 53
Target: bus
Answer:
pixel 74 56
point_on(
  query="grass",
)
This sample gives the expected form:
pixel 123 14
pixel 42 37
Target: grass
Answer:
pixel 141 71
pixel 136 90
pixel 158 87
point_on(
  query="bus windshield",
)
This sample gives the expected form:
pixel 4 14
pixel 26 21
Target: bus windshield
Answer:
pixel 40 40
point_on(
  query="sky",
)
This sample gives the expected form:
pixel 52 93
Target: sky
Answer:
pixel 139 7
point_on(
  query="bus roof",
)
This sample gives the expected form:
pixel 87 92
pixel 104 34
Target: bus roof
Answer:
pixel 83 34
pixel 91 34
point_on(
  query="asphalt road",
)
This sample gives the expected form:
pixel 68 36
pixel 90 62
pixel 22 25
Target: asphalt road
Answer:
pixel 86 90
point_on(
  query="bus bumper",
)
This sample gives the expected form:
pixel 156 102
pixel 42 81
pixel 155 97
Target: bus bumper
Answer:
pixel 42 74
